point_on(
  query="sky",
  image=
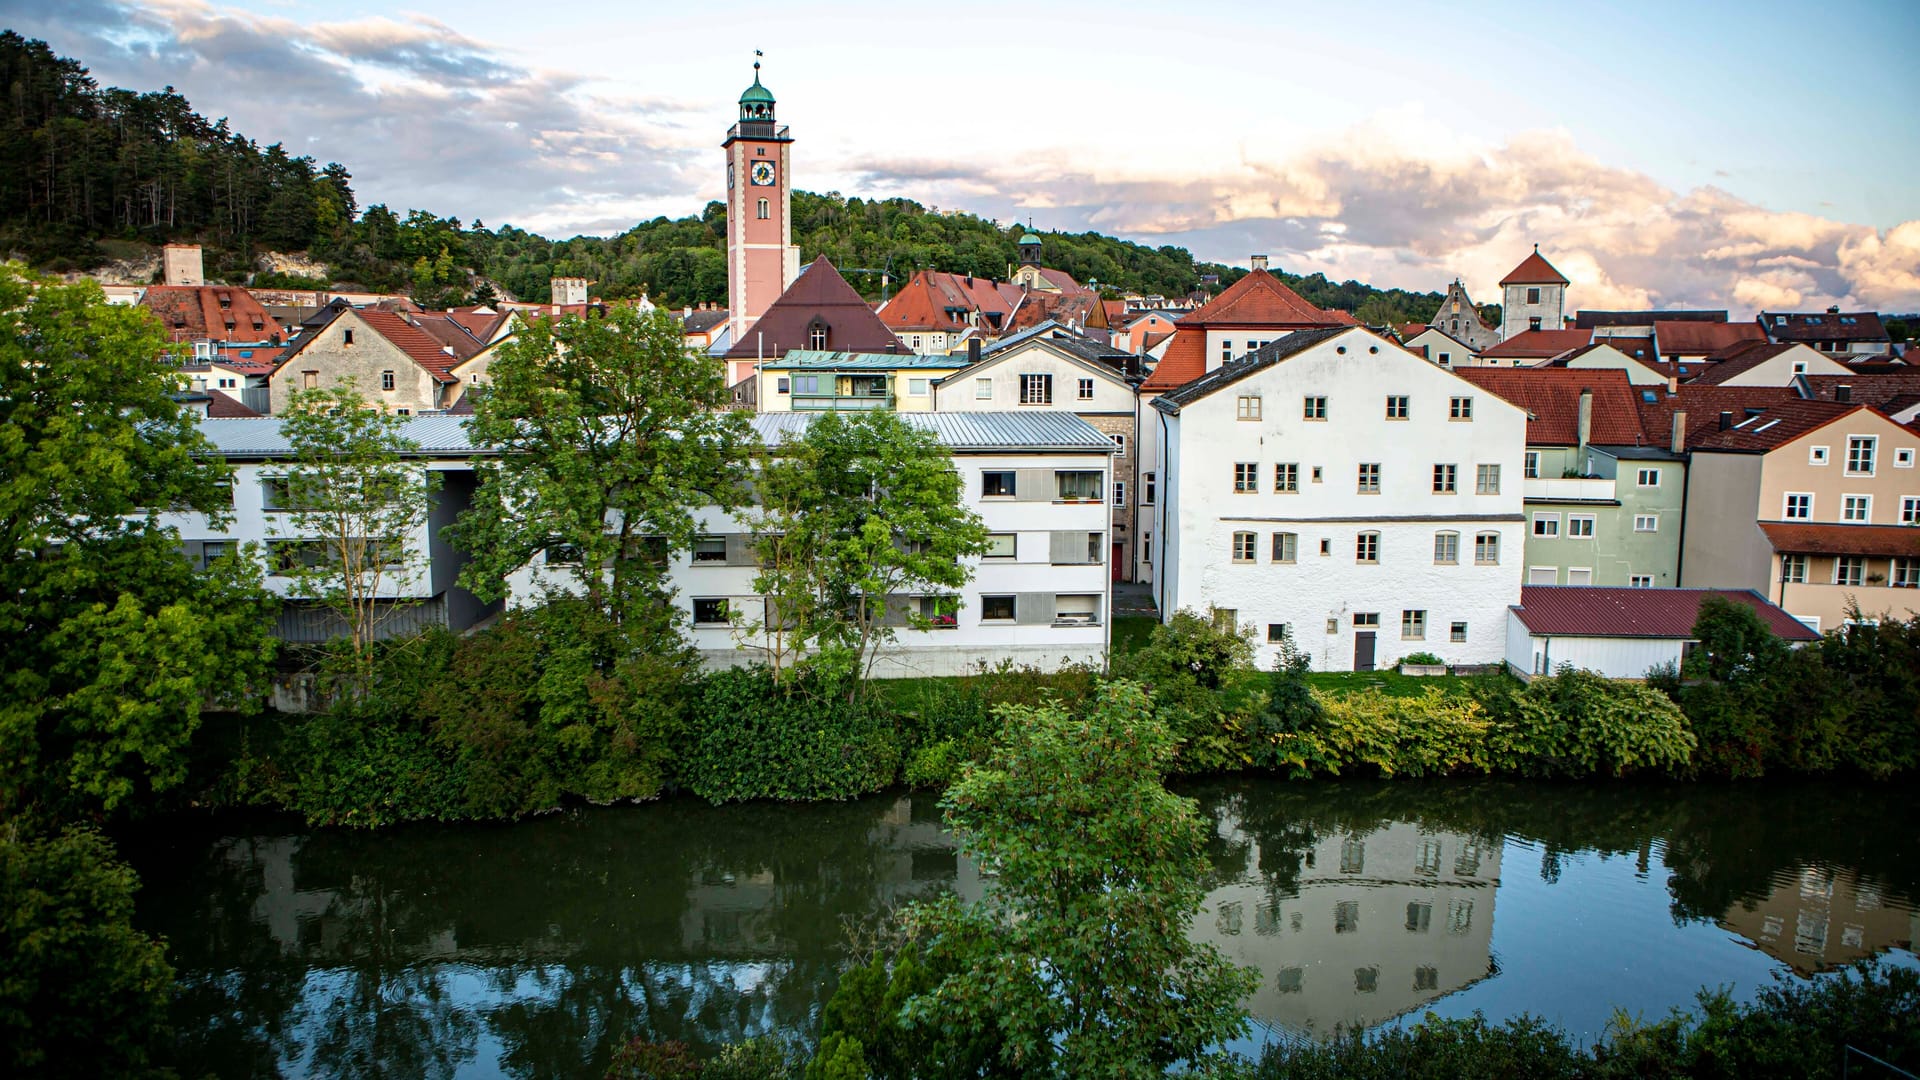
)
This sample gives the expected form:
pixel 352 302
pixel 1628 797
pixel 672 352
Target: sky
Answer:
pixel 1704 154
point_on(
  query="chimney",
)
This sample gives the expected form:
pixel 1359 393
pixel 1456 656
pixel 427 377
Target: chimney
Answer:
pixel 1679 443
pixel 1843 393
pixel 1726 419
pixel 973 350
pixel 1834 310
pixel 1586 417
pixel 1673 385
pixel 1259 262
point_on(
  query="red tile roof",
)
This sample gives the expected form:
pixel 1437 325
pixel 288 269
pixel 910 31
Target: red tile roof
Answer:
pixel 1344 318
pixel 1605 611
pixel 1808 538
pixel 1778 425
pixel 1876 390
pixel 1751 355
pixel 1184 361
pixel 449 332
pixel 932 300
pixel 1703 406
pixel 818 293
pixel 224 406
pixel 1824 326
pixel 1408 331
pixel 1534 270
pixel 420 347
pixel 1551 397
pixel 1539 344
pixel 209 313
pixel 1059 279
pixel 1699 338
pixel 1259 299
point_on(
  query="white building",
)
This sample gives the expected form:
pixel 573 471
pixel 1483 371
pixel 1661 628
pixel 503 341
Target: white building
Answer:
pixel 1534 297
pixel 1041 596
pixel 1621 633
pixel 1339 488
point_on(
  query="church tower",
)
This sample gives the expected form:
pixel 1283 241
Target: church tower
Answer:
pixel 761 258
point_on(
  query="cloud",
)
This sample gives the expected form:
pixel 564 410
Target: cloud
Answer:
pixel 423 115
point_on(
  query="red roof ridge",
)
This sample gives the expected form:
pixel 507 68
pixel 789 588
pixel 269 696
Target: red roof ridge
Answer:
pixel 1534 270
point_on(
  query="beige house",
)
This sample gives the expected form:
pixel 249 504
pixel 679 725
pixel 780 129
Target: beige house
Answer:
pixel 1602 356
pixel 392 363
pixel 1763 364
pixel 1813 504
pixel 1441 348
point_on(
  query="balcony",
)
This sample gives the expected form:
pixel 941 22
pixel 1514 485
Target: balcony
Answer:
pixel 1595 490
pixel 841 393
pixel 841 402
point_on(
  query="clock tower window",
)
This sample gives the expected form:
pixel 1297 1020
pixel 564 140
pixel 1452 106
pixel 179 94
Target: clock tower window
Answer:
pixel 764 211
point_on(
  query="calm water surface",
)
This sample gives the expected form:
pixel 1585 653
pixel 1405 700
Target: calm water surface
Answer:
pixel 531 950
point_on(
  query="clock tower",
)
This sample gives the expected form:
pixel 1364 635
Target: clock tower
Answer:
pixel 761 258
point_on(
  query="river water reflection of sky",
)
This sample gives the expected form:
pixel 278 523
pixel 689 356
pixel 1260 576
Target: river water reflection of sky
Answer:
pixel 532 950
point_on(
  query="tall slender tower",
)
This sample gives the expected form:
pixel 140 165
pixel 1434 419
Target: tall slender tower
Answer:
pixel 761 258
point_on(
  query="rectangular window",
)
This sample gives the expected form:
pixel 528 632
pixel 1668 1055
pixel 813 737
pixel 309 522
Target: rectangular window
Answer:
pixel 711 612
pixel 1816 455
pixel 1860 454
pixel 1277 632
pixel 1445 360
pixel 1243 549
pixel 1413 625
pixel 780 385
pixel 1286 477
pixel 1246 407
pixel 1077 609
pixel 1119 444
pixel 1078 485
pixel 1902 458
pixel 1036 389
pixel 1910 509
pixel 1366 620
pixel 1419 916
pixel 997 484
pixel 1532 470
pixel 1793 569
pixel 1646 523
pixel 1546 526
pixel 916 388
pixel 1640 581
pixel 1366 548
pixel 983 389
pixel 1119 493
pixel 1226 351
pixel 942 612
pixel 1799 506
pixel 310 380
pixel 1396 406
pixel 1445 479
pixel 1648 478
pixel 1286 547
pixel 1004 545
pixel 1849 570
pixel 996 608
pixel 1533 296
pixel 1314 408
pixel 764 210
pixel 1369 483
pixel 1246 477
pixel 1460 408
pixel 1446 548
pixel 1580 526
pixel 1458 633
pixel 1579 575
pixel 1486 549
pixel 1486 480
pixel 386 380
pixel 1857 509
pixel 1459 916
pixel 1149 488
pixel 710 549
pixel 1906 572
pixel 1085 391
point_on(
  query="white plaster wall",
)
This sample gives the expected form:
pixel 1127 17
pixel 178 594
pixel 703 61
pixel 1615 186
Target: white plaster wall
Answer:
pixel 1205 441
pixel 1616 658
pixel 1515 311
pixel 959 392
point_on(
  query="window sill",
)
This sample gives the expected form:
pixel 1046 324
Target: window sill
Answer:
pixel 1076 622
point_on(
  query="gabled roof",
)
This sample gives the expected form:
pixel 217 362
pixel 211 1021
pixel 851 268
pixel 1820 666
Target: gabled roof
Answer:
pixel 224 406
pixel 1703 406
pixel 1551 398
pixel 1741 361
pixel 821 294
pixel 1594 320
pixel 419 346
pixel 1538 344
pixel 1059 279
pixel 1776 426
pixel 1702 338
pixel 699 322
pixel 1878 391
pixel 1534 270
pixel 209 313
pixel 1259 299
pixel 450 333
pixel 1258 360
pixel 1085 352
pixel 1810 538
pixel 938 301
pixel 1635 348
pixel 1184 361
pixel 1607 611
pixel 1080 307
pixel 1823 326
pixel 826 360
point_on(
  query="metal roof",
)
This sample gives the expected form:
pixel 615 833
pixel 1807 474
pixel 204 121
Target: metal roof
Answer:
pixel 1610 611
pixel 261 437
pixel 1037 430
pixel 816 360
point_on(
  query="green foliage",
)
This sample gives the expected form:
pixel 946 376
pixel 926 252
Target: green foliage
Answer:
pixel 110 642
pixel 1423 659
pixel 1079 963
pixel 1430 735
pixel 1205 688
pixel 1734 642
pixel 82 993
pixel 803 739
pixel 764 1058
pixel 1792 1028
pixel 639 1059
pixel 1577 723
pixel 840 1057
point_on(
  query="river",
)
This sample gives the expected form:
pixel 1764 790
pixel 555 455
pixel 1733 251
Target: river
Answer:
pixel 531 950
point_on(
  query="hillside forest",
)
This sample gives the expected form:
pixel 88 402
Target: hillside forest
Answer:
pixel 90 174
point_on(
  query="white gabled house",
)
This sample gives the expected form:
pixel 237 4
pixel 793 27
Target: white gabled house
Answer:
pixel 1042 595
pixel 1334 487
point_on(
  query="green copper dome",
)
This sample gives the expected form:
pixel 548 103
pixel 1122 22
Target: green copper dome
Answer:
pixel 1030 238
pixel 756 94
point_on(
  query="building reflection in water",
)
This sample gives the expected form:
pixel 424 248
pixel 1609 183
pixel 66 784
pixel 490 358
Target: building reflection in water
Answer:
pixel 1821 918
pixel 1379 922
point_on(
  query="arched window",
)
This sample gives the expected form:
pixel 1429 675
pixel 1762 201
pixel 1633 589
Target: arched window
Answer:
pixel 765 211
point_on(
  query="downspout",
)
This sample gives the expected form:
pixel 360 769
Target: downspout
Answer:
pixel 1160 499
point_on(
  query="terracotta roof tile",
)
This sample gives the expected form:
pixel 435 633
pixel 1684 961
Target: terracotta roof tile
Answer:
pixel 1878 391
pixel 1551 397
pixel 1184 361
pixel 936 301
pixel 1539 344
pixel 419 346
pixel 1776 425
pixel 1703 406
pixel 1605 611
pixel 1259 299
pixel 1700 338
pixel 209 313
pixel 1810 538
pixel 1534 270
pixel 1824 326
pixel 224 406
pixel 1740 361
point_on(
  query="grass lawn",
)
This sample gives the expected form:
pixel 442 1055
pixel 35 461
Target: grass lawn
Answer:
pixel 1131 631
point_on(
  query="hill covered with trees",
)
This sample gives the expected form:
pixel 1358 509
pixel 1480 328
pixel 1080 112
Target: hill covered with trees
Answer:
pixel 90 174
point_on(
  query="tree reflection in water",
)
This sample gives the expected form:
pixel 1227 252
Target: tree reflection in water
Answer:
pixel 536 948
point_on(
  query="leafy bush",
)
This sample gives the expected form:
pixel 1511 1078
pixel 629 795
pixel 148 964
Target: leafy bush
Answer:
pixel 754 1059
pixel 1432 734
pixel 946 723
pixel 1577 723
pixel 640 1059
pixel 82 993
pixel 1205 689
pixel 800 740
pixel 1422 659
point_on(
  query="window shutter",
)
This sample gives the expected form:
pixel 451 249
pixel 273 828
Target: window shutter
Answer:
pixel 1033 609
pixel 1034 485
pixel 740 550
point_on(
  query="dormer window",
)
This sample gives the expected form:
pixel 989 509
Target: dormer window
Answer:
pixel 817 337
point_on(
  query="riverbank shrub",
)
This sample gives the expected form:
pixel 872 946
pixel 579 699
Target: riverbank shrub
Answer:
pixel 947 723
pixel 1205 689
pixel 805 739
pixel 82 992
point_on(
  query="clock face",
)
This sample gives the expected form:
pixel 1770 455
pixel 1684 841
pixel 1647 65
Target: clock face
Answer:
pixel 729 176
pixel 762 174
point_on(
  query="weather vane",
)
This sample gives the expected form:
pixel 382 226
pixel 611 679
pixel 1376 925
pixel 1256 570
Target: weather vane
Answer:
pixel 757 54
